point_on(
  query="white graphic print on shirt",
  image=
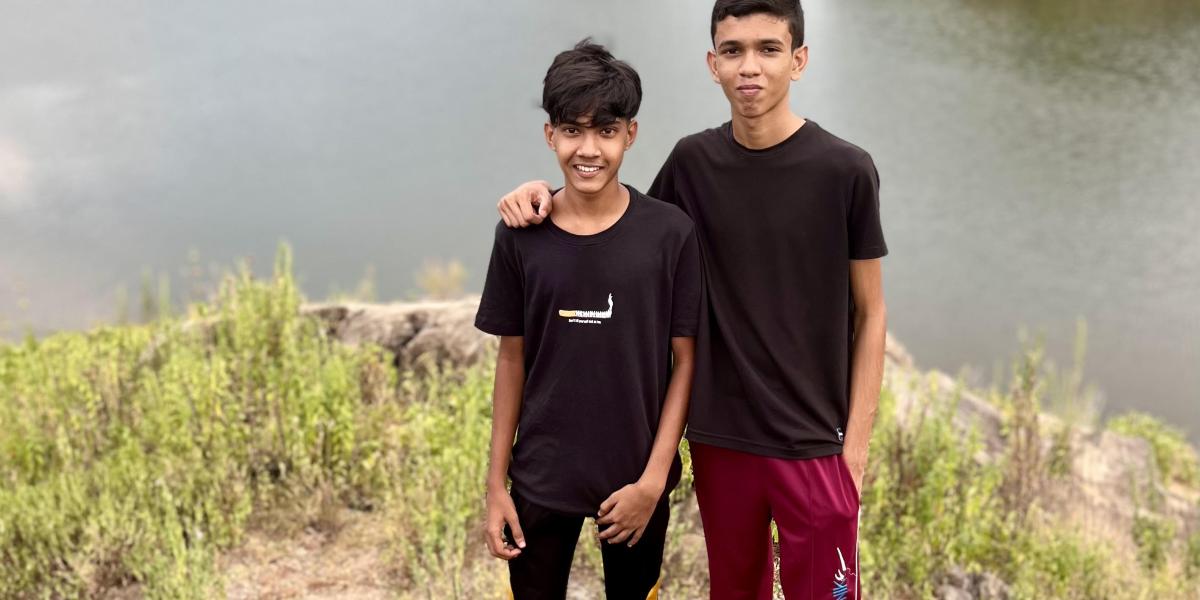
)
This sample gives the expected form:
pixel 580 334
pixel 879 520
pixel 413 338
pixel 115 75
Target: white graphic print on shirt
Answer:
pixel 588 316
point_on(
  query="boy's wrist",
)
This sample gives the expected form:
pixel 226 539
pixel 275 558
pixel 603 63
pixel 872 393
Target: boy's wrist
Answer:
pixel 497 484
pixel 653 482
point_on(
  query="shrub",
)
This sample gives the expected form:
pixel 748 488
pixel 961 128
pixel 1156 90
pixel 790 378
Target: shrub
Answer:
pixel 1175 459
pixel 135 453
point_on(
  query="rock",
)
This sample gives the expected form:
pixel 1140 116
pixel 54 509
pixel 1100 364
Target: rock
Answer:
pixel 949 592
pixel 418 334
pixel 954 585
pixel 440 331
pixel 957 584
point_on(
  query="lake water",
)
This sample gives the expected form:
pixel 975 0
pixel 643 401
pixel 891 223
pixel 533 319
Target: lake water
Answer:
pixel 1040 161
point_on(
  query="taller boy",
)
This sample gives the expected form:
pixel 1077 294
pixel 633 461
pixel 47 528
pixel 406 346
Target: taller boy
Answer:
pixel 789 355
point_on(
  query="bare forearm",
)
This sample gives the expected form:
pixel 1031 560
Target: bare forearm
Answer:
pixel 506 408
pixel 673 417
pixel 866 377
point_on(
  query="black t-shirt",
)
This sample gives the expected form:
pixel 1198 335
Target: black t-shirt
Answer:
pixel 777 229
pixel 597 313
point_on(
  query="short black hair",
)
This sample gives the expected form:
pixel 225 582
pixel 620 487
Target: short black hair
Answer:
pixel 784 9
pixel 588 80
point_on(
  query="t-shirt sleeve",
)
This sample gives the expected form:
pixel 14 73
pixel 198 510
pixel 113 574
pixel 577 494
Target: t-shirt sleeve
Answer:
pixel 862 220
pixel 663 187
pixel 688 294
pixel 502 307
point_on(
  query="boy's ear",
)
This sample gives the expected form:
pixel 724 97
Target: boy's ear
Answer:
pixel 799 62
pixel 631 135
pixel 711 58
pixel 549 135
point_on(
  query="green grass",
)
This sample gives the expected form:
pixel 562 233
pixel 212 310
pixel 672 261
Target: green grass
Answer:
pixel 138 453
pixel 929 506
pixel 135 453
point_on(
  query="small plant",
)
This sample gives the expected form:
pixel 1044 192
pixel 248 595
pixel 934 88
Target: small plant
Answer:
pixel 365 291
pixel 1024 461
pixel 441 280
pixel 1191 564
pixel 1067 395
pixel 1175 459
pixel 1061 455
pixel 439 506
pixel 1153 537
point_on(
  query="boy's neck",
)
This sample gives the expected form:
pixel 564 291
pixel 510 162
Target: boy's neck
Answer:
pixel 583 213
pixel 767 129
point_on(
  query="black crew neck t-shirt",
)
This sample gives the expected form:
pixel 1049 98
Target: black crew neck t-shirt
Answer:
pixel 777 228
pixel 597 313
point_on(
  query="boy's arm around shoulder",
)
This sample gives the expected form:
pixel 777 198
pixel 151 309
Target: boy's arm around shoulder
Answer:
pixel 529 204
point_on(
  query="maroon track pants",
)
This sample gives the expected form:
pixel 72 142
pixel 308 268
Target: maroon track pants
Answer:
pixel 814 505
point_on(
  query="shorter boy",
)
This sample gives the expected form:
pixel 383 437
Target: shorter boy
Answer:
pixel 591 306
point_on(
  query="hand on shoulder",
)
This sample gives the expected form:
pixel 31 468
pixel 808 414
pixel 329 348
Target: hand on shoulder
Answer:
pixel 527 205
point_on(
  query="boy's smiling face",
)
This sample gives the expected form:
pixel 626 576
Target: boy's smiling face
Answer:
pixel 590 155
pixel 753 61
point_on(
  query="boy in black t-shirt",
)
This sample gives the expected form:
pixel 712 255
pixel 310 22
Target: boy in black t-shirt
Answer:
pixel 597 311
pixel 789 353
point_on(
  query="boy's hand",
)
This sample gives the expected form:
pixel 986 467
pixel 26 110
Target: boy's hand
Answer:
pixel 856 463
pixel 627 511
pixel 527 205
pixel 501 510
pixel 854 453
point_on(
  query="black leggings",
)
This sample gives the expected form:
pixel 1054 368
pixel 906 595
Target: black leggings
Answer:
pixel 542 569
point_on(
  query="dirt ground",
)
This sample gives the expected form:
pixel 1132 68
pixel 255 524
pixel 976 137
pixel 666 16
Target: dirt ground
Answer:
pixel 345 563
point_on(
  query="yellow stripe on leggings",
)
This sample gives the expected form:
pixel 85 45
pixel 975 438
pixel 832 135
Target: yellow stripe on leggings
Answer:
pixel 653 595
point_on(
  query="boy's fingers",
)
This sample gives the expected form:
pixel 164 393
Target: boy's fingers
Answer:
pixel 506 553
pixel 637 535
pixel 514 211
pixel 500 209
pixel 509 203
pixel 517 534
pixel 526 211
pixel 620 538
pixel 494 543
pixel 505 213
pixel 615 526
pixel 544 203
pixel 609 533
pixel 607 504
pixel 498 547
pixel 509 553
pixel 536 217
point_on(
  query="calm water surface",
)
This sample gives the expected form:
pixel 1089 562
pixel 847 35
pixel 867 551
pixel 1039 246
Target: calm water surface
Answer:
pixel 1039 161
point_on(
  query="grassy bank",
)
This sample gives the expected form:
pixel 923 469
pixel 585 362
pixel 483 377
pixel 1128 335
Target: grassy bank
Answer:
pixel 136 454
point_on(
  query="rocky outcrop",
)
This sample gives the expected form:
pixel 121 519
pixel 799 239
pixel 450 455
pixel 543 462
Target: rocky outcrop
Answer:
pixel 1108 480
pixel 441 332
pixel 418 333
